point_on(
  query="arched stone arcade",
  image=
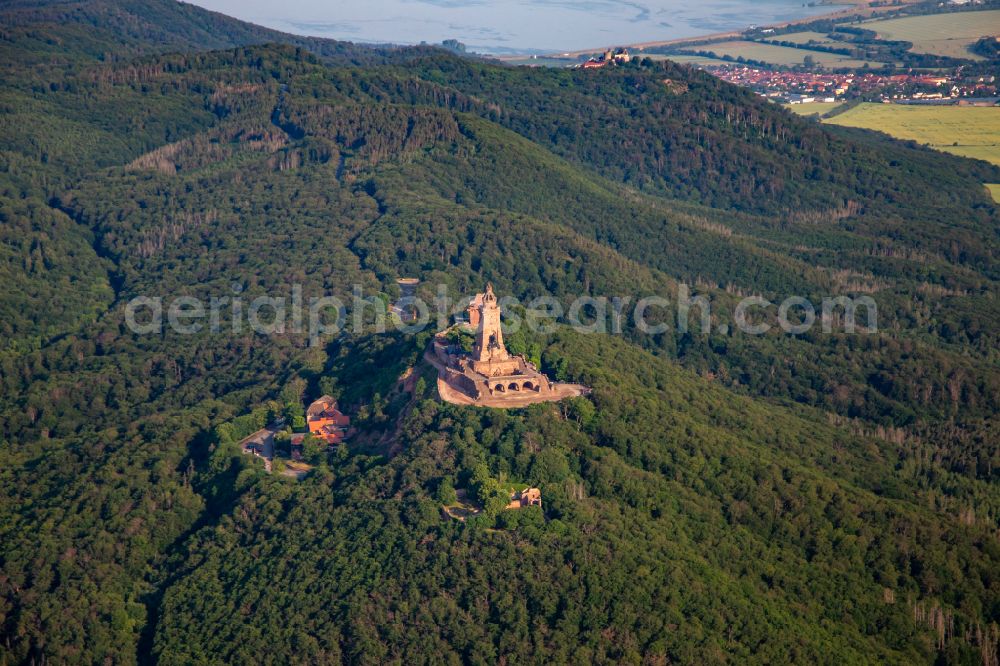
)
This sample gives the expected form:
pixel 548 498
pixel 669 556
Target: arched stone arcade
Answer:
pixel 516 386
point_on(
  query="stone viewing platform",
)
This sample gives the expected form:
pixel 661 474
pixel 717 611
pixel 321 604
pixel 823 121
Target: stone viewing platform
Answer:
pixel 490 376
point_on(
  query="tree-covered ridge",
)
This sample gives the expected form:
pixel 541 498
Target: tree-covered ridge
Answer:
pixel 813 497
pixel 652 479
pixel 418 209
pixel 715 144
pixel 49 262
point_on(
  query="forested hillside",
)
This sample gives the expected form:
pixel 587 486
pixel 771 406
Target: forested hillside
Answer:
pixel 718 497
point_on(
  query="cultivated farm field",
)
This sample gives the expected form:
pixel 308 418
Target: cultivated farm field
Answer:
pixel 967 131
pixel 685 58
pixel 962 130
pixel 942 34
pixel 804 38
pixel 813 109
pixel 780 55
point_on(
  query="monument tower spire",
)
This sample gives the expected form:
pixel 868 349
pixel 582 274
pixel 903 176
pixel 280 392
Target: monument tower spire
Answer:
pixel 489 336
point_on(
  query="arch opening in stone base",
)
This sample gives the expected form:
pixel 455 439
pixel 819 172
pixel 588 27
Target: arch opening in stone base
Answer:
pixel 528 386
pixel 514 386
pixel 499 388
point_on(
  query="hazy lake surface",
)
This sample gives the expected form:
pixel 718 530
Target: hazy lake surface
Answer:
pixel 499 26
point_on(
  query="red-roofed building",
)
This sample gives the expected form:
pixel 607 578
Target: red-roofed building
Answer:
pixel 327 422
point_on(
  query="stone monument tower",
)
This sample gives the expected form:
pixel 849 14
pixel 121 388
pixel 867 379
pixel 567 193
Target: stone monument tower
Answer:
pixel 490 376
pixel 489 356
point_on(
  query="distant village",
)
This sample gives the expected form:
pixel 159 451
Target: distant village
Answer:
pixel 805 87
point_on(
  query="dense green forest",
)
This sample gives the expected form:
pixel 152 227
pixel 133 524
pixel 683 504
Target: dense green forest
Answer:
pixel 718 497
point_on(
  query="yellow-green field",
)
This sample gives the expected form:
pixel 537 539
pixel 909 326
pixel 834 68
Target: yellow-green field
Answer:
pixel 685 58
pixel 942 34
pixel 815 108
pixel 781 55
pixel 805 37
pixel 988 153
pixel 994 189
pixel 962 130
pixel 802 37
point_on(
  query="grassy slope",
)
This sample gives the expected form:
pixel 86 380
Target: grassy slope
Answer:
pixel 808 36
pixel 816 108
